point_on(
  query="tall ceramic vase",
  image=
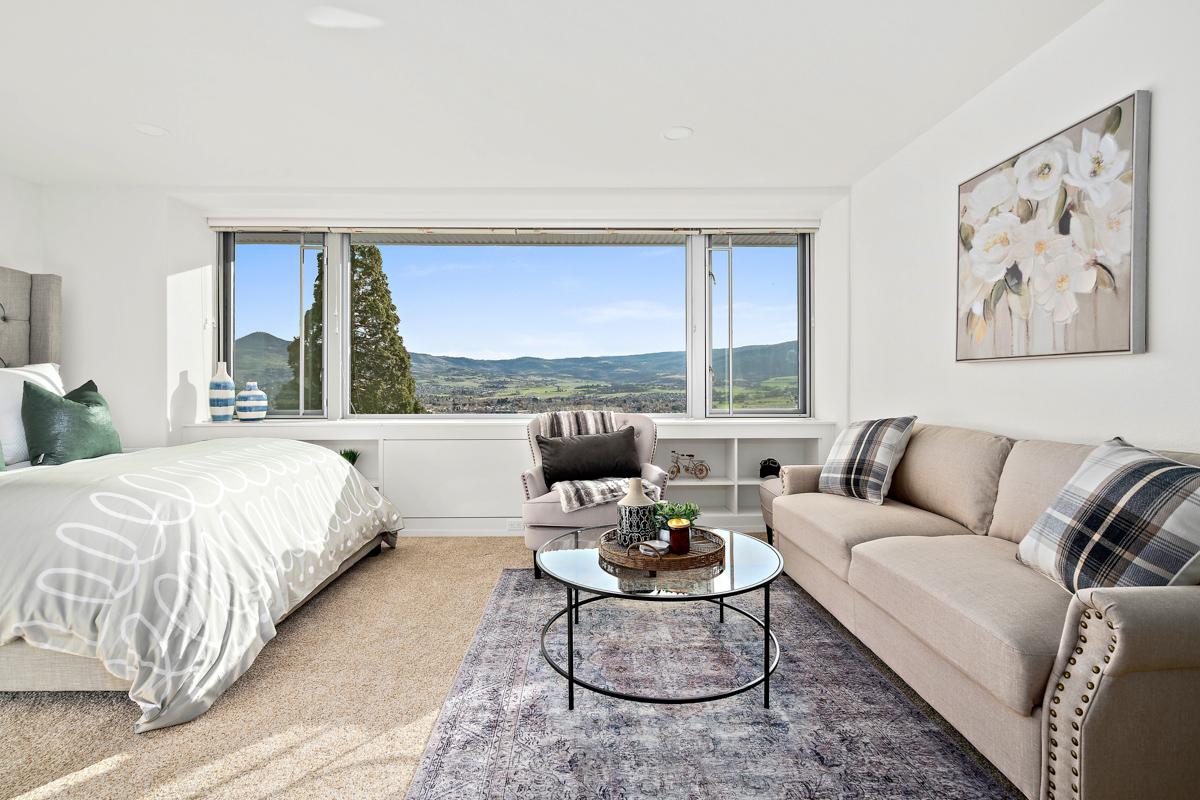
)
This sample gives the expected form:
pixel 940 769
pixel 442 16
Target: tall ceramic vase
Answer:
pixel 251 403
pixel 221 393
pixel 635 516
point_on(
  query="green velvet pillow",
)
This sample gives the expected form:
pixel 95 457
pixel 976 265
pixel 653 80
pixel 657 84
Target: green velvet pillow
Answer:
pixel 68 428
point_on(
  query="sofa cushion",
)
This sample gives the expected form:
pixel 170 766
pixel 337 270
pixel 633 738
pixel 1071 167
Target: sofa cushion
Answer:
pixel 1127 517
pixel 547 511
pixel 864 457
pixel 953 472
pixel 1036 471
pixel 969 599
pixel 768 490
pixel 828 526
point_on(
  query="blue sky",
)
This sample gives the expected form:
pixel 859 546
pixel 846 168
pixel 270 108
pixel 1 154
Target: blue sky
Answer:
pixel 552 302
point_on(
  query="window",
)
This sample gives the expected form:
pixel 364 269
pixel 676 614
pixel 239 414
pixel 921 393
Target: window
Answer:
pixel 757 289
pixel 276 297
pixel 517 323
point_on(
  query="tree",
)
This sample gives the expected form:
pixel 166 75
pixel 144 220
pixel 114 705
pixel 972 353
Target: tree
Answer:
pixel 314 347
pixel 381 380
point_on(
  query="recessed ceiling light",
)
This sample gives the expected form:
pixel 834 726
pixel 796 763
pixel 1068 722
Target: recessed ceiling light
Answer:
pixel 341 18
pixel 677 133
pixel 149 130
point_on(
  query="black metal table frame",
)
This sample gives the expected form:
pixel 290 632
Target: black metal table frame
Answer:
pixel 574 604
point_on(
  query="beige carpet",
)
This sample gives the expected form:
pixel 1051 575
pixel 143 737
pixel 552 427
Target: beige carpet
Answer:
pixel 340 704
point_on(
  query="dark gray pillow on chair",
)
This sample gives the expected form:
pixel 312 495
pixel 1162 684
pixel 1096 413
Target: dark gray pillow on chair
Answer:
pixel 591 456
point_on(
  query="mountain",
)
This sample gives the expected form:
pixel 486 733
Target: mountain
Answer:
pixel 455 382
pixel 261 357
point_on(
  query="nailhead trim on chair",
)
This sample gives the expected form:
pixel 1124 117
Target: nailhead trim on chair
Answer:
pixel 1064 687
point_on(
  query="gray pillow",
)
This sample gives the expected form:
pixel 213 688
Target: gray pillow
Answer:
pixel 590 456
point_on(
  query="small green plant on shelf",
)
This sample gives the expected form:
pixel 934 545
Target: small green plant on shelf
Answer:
pixel 664 511
pixel 350 455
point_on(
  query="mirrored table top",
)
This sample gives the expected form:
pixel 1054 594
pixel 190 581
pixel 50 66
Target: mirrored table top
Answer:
pixel 574 559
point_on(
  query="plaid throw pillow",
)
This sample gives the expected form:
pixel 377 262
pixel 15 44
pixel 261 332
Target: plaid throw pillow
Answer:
pixel 864 458
pixel 1128 517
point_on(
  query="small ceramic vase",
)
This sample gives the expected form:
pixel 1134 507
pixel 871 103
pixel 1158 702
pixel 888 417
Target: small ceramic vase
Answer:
pixel 635 516
pixel 221 394
pixel 251 403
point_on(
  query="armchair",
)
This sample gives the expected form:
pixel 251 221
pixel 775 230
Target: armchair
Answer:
pixel 542 509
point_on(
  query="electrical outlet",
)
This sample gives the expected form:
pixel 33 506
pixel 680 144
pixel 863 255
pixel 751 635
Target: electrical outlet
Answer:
pixel 515 526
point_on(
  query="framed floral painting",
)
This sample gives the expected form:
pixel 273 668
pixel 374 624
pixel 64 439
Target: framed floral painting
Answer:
pixel 1052 243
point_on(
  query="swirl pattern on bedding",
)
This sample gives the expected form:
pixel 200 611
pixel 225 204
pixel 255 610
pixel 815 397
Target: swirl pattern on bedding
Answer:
pixel 172 565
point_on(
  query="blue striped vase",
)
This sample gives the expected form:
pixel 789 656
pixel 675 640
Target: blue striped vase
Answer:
pixel 221 394
pixel 251 403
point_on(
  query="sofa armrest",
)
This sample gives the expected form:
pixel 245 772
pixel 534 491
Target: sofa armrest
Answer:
pixel 1122 708
pixel 1155 627
pixel 800 478
pixel 534 483
pixel 656 475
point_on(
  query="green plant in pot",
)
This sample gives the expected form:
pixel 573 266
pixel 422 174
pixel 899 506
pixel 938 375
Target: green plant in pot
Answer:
pixel 350 455
pixel 664 511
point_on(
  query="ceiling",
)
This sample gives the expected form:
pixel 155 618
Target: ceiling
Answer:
pixel 523 93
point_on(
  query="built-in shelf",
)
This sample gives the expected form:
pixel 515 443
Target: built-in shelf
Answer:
pixel 712 480
pixel 451 475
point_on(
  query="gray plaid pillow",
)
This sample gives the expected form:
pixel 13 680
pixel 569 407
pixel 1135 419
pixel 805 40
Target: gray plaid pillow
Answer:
pixel 1128 517
pixel 864 458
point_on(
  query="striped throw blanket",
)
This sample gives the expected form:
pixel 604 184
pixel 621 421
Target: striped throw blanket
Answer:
pixel 576 423
pixel 576 495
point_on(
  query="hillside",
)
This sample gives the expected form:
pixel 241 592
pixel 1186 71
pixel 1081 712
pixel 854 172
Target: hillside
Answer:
pixel 647 381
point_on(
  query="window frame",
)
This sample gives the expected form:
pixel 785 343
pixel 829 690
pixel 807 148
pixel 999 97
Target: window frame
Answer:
pixel 226 344
pixel 804 243
pixel 697 315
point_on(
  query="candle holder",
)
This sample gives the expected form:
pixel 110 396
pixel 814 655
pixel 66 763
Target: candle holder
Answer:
pixel 680 536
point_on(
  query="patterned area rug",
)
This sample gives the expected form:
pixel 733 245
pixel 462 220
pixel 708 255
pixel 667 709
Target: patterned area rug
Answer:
pixel 838 726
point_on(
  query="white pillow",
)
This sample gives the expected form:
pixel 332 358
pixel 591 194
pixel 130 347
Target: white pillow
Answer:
pixel 12 391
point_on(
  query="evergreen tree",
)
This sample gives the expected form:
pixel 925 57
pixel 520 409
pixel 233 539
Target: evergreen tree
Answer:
pixel 381 380
pixel 314 347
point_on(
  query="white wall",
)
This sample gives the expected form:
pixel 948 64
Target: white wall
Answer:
pixel 20 225
pixel 127 257
pixel 903 246
pixel 830 315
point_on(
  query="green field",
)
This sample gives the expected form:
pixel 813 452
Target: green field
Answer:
pixel 647 382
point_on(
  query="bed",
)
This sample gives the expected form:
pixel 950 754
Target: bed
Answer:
pixel 163 572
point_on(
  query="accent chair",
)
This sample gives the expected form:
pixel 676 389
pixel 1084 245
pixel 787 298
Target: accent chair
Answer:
pixel 542 509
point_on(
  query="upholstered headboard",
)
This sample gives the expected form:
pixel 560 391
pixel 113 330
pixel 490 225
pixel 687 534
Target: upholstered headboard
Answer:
pixel 30 318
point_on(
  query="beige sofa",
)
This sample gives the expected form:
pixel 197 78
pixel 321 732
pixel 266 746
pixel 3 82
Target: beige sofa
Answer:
pixel 1092 696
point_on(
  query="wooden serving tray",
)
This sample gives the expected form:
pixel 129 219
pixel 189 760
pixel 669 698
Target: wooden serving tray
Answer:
pixel 707 549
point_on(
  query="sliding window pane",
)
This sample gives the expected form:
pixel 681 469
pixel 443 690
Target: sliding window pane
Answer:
pixel 277 294
pixel 718 285
pixel 475 325
pixel 766 363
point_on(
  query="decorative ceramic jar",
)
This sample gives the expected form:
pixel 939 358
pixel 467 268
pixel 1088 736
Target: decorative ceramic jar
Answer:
pixel 221 394
pixel 251 403
pixel 635 516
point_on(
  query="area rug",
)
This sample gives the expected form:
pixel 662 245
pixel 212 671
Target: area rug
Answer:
pixel 839 726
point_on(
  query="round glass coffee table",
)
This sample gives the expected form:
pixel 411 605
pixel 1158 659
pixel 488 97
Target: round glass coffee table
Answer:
pixel 573 560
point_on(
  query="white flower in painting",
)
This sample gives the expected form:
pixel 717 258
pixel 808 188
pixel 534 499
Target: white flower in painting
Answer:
pixel 1111 224
pixel 1056 281
pixel 991 248
pixel 1040 171
pixel 995 191
pixel 1036 243
pixel 1098 163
